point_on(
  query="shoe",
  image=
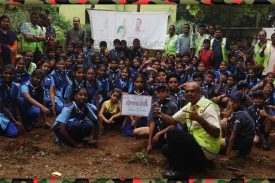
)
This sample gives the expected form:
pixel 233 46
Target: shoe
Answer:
pixel 171 174
pixel 266 146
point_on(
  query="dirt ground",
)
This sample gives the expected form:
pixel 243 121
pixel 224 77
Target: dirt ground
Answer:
pixel 35 155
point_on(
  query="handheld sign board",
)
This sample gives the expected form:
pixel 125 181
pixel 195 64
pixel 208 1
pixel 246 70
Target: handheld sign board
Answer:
pixel 136 105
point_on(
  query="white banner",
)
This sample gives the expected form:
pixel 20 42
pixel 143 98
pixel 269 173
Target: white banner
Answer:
pixel 149 28
pixel 136 105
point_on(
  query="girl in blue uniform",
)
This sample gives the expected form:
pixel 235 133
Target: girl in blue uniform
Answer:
pixel 51 101
pixel 31 100
pixel 77 121
pixel 77 82
pixel 133 122
pixel 135 67
pixel 124 81
pixel 69 65
pixel 252 79
pixel 102 84
pixel 9 112
pixel 21 75
pixel 60 77
pixel 91 86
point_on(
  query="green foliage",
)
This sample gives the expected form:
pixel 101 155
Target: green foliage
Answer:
pixel 179 24
pixel 59 20
pixel 226 15
pixel 87 27
pixel 17 17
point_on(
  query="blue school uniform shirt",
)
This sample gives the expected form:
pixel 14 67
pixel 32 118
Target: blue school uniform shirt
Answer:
pixel 182 78
pixel 178 97
pixel 22 77
pixel 134 72
pixel 71 88
pixel 87 55
pixel 218 74
pixel 123 84
pixel 208 90
pixel 91 87
pixel 8 95
pixel 71 113
pixel 232 69
pixel 61 81
pixel 102 85
pixel 252 82
pixel 69 73
pixel 47 83
pixel 113 75
pixel 37 92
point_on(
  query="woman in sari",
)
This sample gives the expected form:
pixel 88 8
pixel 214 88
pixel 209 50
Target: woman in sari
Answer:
pixel 8 41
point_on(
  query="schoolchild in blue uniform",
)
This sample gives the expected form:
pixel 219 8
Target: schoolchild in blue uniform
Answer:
pixel 170 67
pixel 113 73
pixel 161 78
pixel 135 68
pixel 60 77
pixel 31 100
pixel 180 71
pixel 198 78
pixel 9 112
pixel 124 82
pixel 232 65
pixel 170 63
pixel 221 84
pixel 77 82
pixel 221 70
pixel 21 75
pixel 96 61
pixel 202 68
pixel 268 89
pixel 51 101
pixel 240 130
pixel 69 66
pixel 175 93
pixel 102 84
pixel 103 53
pixel 70 52
pixel 262 124
pixel 77 121
pixel 252 79
pixel 133 122
pixel 90 84
pixel 79 61
pixel 121 65
pixel 209 86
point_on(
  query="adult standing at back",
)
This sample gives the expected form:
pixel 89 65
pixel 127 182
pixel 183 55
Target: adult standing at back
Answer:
pixel 76 36
pixel 199 37
pixel 170 41
pixel 262 50
pixel 50 33
pixel 220 47
pixel 33 36
pixel 185 44
pixel 8 40
pixel 211 31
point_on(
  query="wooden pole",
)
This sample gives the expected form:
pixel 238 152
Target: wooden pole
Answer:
pixel 138 8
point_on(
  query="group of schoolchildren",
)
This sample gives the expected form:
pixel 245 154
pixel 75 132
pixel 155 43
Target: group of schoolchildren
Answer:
pixel 82 87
